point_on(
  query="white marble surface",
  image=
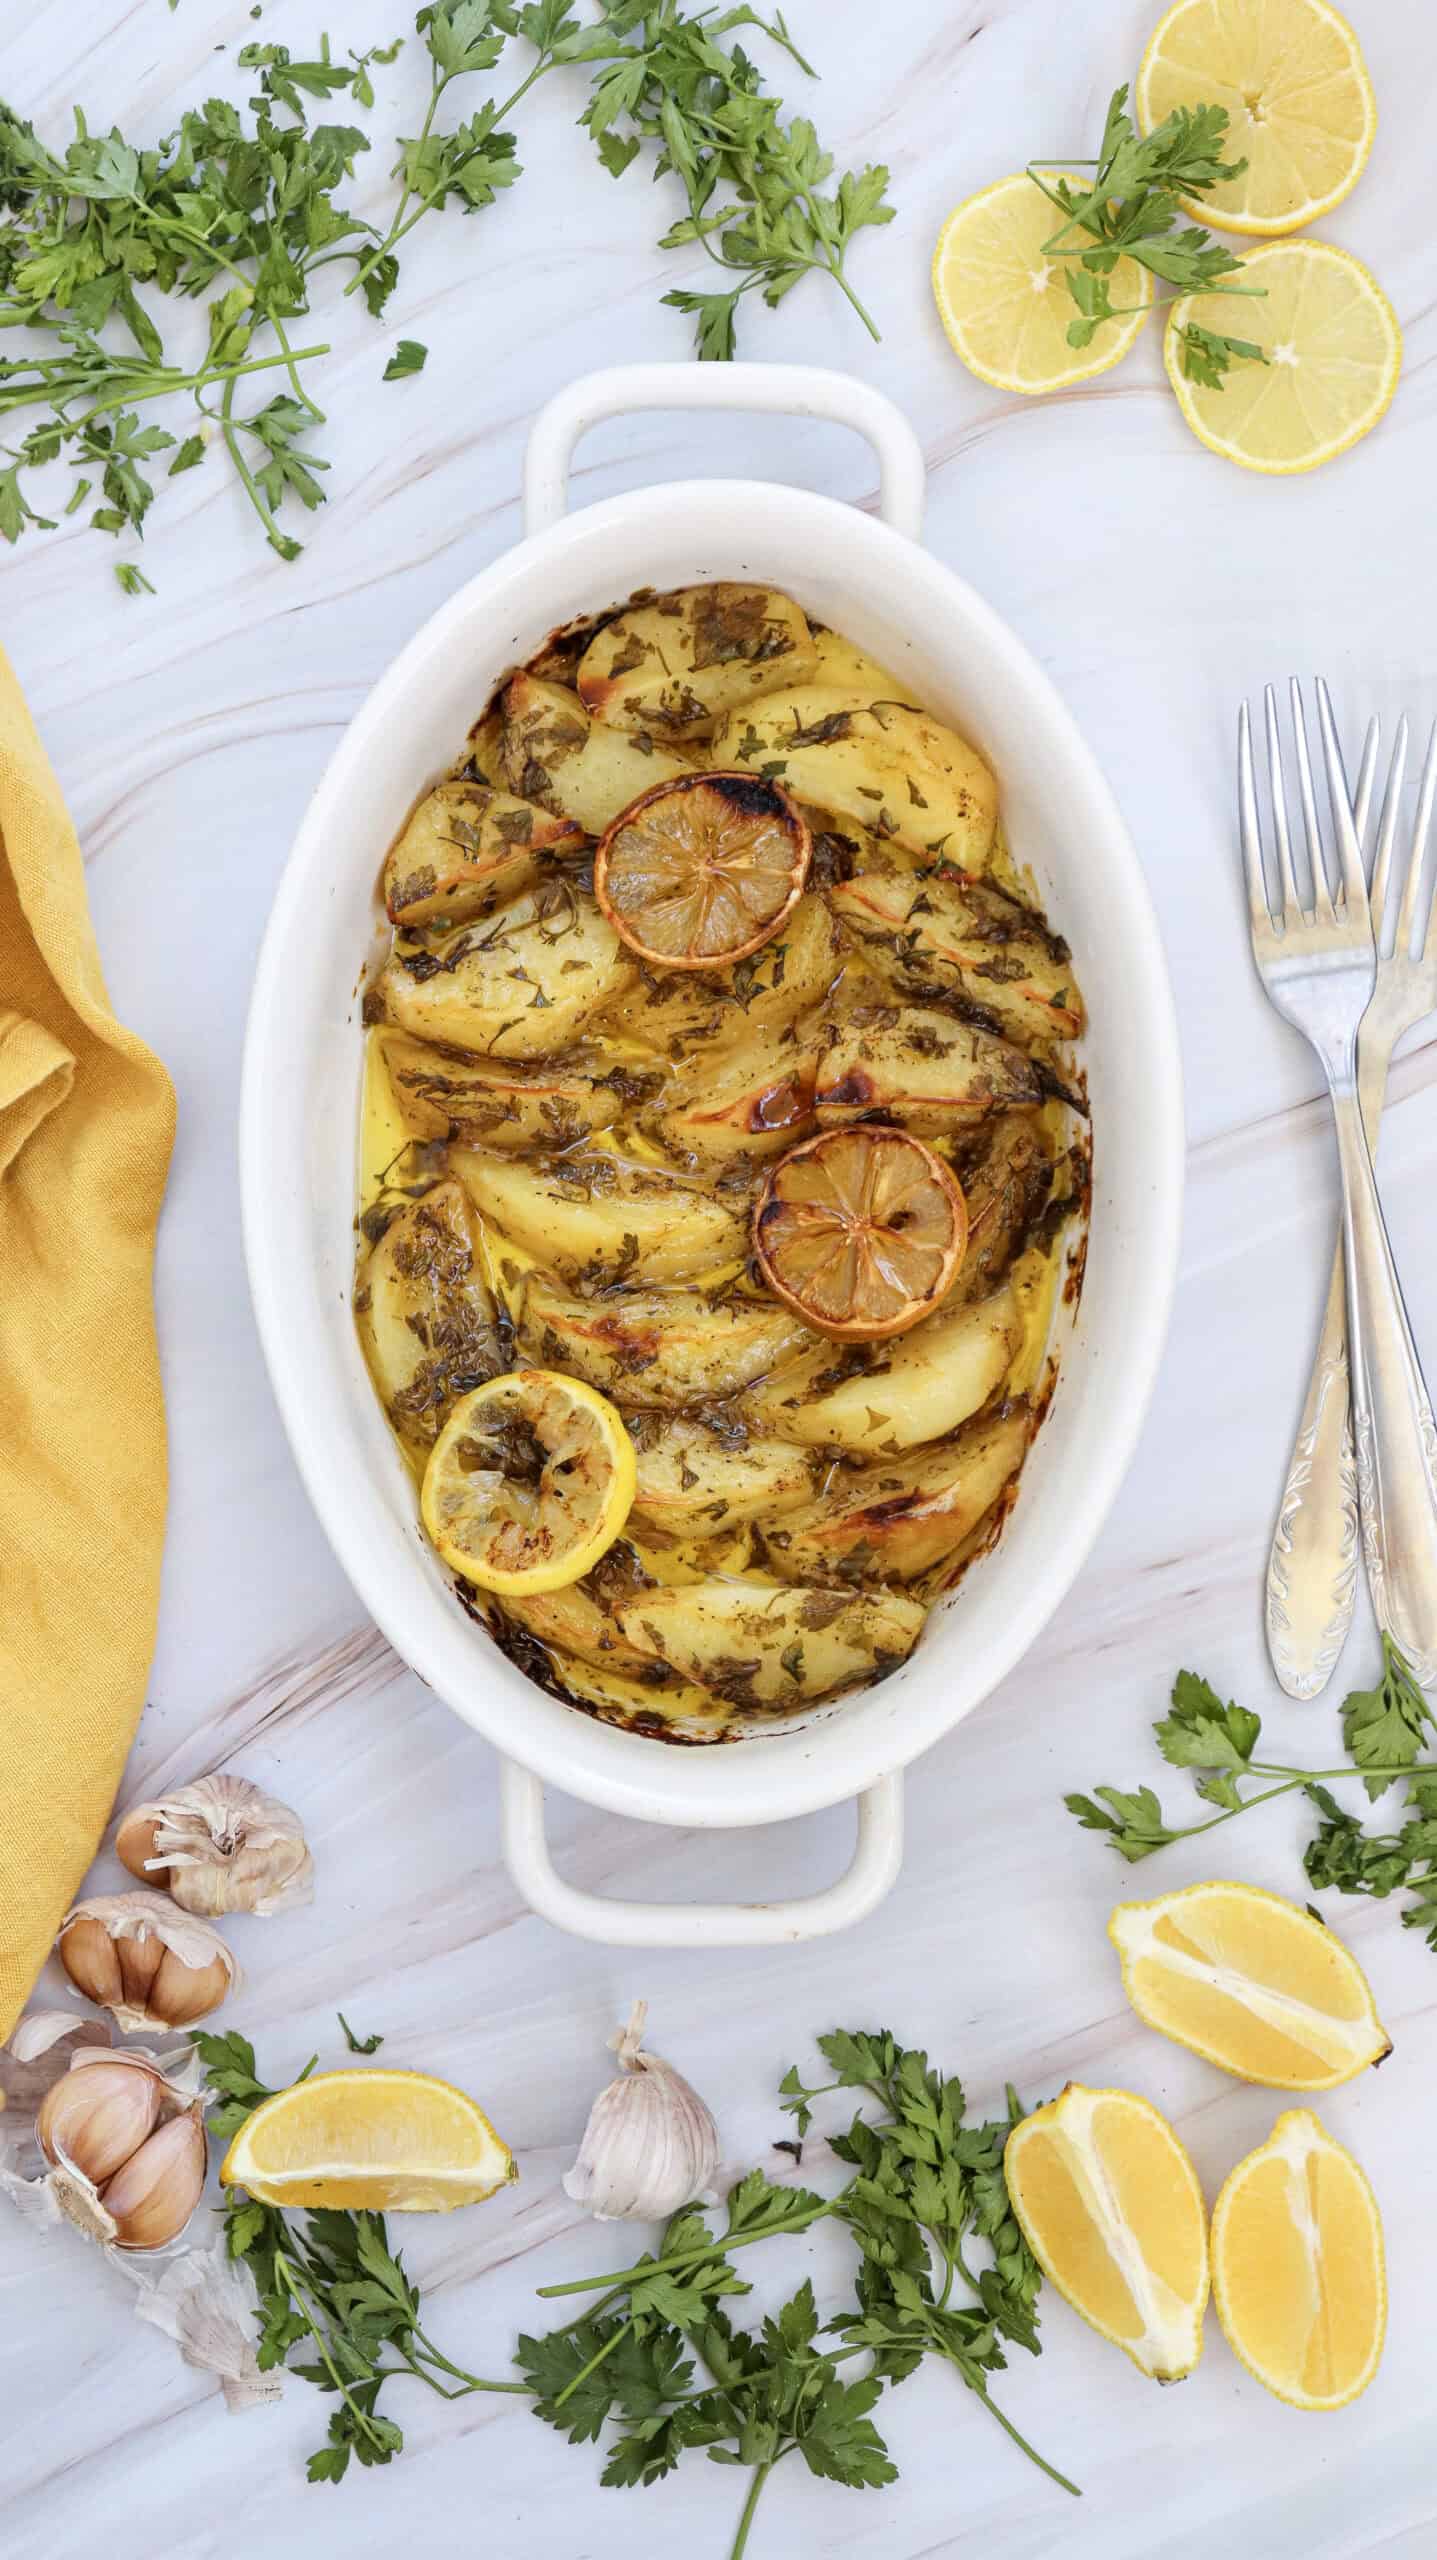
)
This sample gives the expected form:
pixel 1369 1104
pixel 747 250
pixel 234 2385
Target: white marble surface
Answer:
pixel 1155 584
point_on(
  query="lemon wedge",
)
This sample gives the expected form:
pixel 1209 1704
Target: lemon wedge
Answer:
pixel 1006 307
pixel 1297 2264
pixel 1334 351
pixel 1109 2203
pixel 529 1482
pixel 1251 1982
pixel 1300 106
pixel 369 2142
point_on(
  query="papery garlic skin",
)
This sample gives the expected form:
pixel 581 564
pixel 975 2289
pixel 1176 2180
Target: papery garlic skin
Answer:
pixel 148 1964
pixel 205 2300
pixel 650 2145
pixel 219 1845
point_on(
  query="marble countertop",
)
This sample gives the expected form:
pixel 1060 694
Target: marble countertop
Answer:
pixel 1155 585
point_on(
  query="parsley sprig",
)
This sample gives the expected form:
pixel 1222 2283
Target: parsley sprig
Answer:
pixel 1383 1731
pixel 1132 209
pixel 243 209
pixel 656 2367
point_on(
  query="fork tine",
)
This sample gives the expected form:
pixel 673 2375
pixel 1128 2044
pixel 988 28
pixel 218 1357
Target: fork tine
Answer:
pixel 1291 903
pixel 1321 891
pixel 1386 838
pixel 1366 777
pixel 1339 798
pixel 1421 827
pixel 1259 913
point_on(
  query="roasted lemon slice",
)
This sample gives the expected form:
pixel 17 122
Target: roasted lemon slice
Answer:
pixel 699 872
pixel 1252 1983
pixel 1334 354
pixel 1297 2266
pixel 1005 303
pixel 1108 2202
pixel 369 2142
pixel 529 1482
pixel 861 1231
pixel 1299 103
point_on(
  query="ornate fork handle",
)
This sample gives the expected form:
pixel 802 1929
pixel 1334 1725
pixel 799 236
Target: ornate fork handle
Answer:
pixel 1312 1563
pixel 1394 1436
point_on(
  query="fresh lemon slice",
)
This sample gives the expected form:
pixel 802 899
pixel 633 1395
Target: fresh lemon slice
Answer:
pixel 1108 2202
pixel 1251 1982
pixel 369 2142
pixel 1300 106
pixel 860 1231
pixel 699 872
pixel 1297 2266
pixel 1334 352
pixel 1006 307
pixel 529 1482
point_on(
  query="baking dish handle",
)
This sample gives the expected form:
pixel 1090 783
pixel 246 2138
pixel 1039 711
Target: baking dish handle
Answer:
pixel 877 1858
pixel 791 390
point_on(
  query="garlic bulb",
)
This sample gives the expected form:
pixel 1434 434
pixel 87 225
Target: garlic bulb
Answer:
pixel 148 1964
pixel 650 2145
pixel 219 1845
pixel 126 2150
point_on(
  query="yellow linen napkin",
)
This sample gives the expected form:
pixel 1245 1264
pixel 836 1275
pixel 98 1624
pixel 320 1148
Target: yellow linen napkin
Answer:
pixel 87 1121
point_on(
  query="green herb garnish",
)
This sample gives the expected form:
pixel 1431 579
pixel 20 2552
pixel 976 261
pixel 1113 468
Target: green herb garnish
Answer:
pixel 1132 209
pixel 1383 1729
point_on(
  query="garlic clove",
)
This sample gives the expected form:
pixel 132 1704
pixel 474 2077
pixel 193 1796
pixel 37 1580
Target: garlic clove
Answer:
pixel 95 2119
pixel 92 1961
pixel 151 2198
pixel 170 1968
pixel 650 2146
pixel 219 1845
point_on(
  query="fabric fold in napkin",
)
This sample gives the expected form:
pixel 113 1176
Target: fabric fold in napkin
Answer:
pixel 87 1122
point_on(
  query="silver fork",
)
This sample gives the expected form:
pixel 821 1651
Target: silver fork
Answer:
pixel 1320 971
pixel 1312 1566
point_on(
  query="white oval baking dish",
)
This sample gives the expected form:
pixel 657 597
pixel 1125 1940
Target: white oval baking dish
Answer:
pixel 300 1098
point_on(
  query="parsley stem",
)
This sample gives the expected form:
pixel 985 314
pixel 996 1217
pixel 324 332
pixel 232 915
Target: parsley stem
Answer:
pixel 283 543
pixel 686 2257
pixel 400 226
pixel 594 2362
pixel 298 2290
pixel 425 2347
pixel 1021 2440
pixel 1289 1779
pixel 755 2492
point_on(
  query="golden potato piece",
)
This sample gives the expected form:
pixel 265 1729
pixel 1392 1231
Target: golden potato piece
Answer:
pixel 522 986
pixel 695 1481
pixel 756 1100
pixel 842 668
pixel 577 767
pixel 657 1347
pixel 884 1397
pixel 483 1102
pixel 1006 1173
pixel 425 1316
pixel 467 850
pixel 944 933
pixel 757 1644
pixel 595 1220
pixel 673 667
pixel 890 768
pixel 924 1069
pixel 892 1521
pixel 573 1621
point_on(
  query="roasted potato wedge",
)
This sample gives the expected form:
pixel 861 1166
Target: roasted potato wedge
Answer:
pixel 674 667
pixel 921 1387
pixel 695 1481
pixel 1006 1174
pixel 425 1315
pixel 946 934
pixel 843 668
pixel 467 850
pixel 924 1069
pixel 758 1644
pixel 595 1220
pixel 892 1521
pixel 482 1102
pixel 888 767
pixel 756 1101
pixel 657 1347
pixel 579 768
pixel 574 1621
pixel 521 986
pixel 483 760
